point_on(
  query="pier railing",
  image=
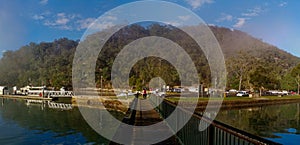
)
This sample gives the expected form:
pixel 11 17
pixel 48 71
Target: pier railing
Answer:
pixel 217 133
pixel 60 106
pixel 58 93
pixel 49 94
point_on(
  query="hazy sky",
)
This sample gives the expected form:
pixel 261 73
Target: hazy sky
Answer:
pixel 21 22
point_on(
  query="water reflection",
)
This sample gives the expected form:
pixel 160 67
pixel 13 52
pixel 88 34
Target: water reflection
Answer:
pixel 28 122
pixel 49 104
pixel 277 122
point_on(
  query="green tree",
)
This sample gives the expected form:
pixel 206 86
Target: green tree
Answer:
pixel 296 74
pixel 288 82
pixel 239 68
pixel 263 78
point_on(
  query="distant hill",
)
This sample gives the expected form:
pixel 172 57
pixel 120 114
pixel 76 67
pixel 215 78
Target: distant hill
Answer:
pixel 233 42
pixel 46 63
pixel 51 63
pixel 252 63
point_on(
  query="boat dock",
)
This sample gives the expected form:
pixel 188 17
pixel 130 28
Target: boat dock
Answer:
pixel 149 117
pixel 144 115
pixel 215 133
pixel 26 97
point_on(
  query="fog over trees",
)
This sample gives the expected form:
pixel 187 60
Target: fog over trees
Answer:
pixel 251 63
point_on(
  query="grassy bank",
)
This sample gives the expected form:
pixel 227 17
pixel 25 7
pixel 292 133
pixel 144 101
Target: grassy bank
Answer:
pixel 192 99
pixel 236 102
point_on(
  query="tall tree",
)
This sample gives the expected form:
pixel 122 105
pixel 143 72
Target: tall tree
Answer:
pixel 288 82
pixel 263 78
pixel 240 67
pixel 296 74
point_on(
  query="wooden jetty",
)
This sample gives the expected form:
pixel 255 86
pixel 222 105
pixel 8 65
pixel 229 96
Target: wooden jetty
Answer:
pixel 25 97
pixel 146 115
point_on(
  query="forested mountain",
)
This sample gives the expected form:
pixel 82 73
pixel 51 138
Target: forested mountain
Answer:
pixel 251 63
pixel 47 63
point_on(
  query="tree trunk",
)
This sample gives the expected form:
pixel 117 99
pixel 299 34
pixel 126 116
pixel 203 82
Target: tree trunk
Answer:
pixel 298 88
pixel 298 83
pixel 240 82
pixel 260 92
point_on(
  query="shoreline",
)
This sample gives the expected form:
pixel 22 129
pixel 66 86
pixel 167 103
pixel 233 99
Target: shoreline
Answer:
pixel 227 103
pixel 240 103
pixel 89 102
pixel 25 97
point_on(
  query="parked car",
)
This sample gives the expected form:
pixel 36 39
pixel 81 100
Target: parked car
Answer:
pixel 272 92
pixel 242 93
pixel 232 91
pixel 283 92
pixel 177 90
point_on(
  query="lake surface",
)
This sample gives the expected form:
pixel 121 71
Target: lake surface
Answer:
pixel 36 123
pixel 279 123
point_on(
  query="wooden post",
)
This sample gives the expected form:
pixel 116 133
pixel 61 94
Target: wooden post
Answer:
pixel 211 134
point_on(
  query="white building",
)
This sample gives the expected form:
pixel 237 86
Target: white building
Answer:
pixel 3 90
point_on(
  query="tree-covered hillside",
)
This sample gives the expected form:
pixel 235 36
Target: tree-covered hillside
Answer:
pixel 250 62
pixel 47 63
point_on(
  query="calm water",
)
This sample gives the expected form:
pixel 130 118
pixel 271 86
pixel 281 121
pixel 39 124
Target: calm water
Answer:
pixel 23 123
pixel 279 123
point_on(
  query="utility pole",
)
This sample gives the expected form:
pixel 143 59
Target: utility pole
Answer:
pixel 101 86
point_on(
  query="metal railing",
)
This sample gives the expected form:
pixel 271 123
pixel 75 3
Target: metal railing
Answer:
pixel 217 133
pixel 48 93
pixel 60 106
pixel 51 94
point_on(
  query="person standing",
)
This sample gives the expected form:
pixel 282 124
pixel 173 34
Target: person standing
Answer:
pixel 144 93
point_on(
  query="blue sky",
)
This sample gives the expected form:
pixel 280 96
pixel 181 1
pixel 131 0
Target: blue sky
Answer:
pixel 21 22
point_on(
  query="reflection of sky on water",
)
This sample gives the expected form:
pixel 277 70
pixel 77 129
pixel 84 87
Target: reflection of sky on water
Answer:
pixel 12 133
pixel 287 138
pixel 23 123
pixel 279 123
pixel 291 130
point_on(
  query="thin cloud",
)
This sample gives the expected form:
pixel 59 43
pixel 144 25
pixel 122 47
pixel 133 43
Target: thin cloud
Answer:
pixel 41 16
pixel 71 22
pixel 283 4
pixel 105 23
pixel 85 23
pixel 240 22
pixel 44 2
pixel 184 18
pixel 253 12
pixel 198 3
pixel 111 18
pixel 38 17
pixel 225 17
pixel 61 21
pixel 173 23
pixel 249 14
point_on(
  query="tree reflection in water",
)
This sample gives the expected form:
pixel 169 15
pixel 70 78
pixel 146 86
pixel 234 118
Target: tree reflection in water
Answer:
pixel 38 124
pixel 274 122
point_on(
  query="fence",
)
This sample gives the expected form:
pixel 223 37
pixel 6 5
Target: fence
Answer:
pixel 217 133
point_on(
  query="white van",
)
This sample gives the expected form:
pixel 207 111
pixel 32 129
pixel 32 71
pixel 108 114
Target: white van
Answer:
pixel 242 93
